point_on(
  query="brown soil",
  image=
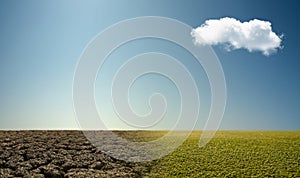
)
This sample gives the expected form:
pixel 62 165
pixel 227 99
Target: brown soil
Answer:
pixel 59 154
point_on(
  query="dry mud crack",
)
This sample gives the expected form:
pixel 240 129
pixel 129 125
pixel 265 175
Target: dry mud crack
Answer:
pixel 59 154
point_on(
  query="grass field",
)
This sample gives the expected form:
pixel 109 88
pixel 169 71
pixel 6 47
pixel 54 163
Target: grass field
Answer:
pixel 234 154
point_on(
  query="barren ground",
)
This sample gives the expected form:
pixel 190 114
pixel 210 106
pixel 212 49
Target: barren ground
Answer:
pixel 59 154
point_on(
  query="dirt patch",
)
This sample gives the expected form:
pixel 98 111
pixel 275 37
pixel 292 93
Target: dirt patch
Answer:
pixel 59 154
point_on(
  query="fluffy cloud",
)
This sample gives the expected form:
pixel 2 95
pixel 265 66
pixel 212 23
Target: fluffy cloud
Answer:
pixel 254 35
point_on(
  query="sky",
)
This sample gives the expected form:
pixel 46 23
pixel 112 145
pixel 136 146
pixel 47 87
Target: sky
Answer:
pixel 41 43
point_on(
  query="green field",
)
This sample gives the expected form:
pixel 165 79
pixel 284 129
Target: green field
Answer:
pixel 234 154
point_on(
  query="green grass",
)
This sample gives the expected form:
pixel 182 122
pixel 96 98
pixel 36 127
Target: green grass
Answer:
pixel 234 154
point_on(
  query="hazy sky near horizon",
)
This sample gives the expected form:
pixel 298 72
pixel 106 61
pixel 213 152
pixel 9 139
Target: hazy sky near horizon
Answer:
pixel 41 43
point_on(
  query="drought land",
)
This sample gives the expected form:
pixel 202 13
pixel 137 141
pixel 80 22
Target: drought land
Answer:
pixel 229 154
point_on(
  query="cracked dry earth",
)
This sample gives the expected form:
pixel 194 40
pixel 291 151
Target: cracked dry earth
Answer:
pixel 59 154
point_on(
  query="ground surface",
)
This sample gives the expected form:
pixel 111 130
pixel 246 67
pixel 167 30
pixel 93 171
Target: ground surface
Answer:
pixel 229 154
pixel 58 154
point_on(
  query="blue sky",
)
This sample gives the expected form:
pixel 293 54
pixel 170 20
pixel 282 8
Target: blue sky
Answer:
pixel 41 42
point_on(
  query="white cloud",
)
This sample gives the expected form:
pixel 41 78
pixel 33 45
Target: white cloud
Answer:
pixel 254 35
